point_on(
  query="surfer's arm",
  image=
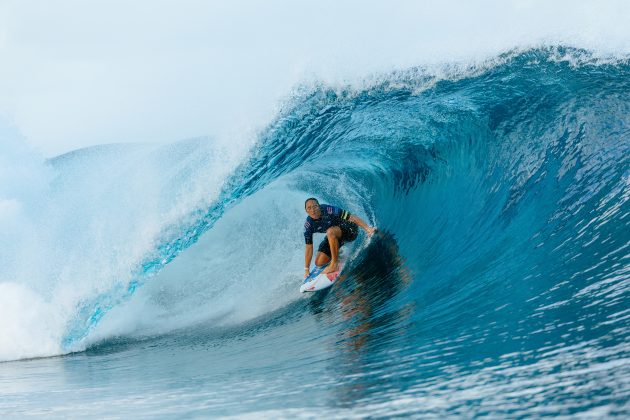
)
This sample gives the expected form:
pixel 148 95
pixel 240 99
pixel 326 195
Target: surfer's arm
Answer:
pixel 308 256
pixel 346 215
pixel 308 251
pixel 357 220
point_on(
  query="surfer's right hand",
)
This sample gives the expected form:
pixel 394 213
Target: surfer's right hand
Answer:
pixel 306 272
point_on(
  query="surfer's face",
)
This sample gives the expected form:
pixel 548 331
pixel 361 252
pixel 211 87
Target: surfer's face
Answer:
pixel 313 209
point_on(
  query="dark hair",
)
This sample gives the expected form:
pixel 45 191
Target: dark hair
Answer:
pixel 309 199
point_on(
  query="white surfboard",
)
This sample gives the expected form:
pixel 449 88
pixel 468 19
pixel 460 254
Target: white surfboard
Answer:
pixel 317 280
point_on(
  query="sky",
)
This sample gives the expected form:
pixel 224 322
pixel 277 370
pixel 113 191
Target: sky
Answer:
pixel 77 73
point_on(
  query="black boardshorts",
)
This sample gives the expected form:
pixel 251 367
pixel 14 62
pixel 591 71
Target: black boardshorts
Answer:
pixel 349 232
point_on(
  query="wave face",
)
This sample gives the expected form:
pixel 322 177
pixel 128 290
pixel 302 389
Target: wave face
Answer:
pixel 498 282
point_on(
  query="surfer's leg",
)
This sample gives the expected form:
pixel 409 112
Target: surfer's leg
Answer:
pixel 334 235
pixel 321 259
pixel 323 253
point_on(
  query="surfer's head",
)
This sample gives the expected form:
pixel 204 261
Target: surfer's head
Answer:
pixel 311 205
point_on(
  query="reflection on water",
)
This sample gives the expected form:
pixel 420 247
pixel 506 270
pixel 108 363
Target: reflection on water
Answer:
pixel 368 327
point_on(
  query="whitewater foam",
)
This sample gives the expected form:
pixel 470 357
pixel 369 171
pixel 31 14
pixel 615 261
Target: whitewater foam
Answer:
pixel 80 224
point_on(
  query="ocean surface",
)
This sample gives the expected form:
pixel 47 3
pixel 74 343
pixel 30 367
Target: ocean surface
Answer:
pixel 162 280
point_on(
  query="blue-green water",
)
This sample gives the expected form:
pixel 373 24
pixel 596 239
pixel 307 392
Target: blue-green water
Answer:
pixel 497 285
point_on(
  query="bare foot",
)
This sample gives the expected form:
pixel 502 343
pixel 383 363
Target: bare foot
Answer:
pixel 332 267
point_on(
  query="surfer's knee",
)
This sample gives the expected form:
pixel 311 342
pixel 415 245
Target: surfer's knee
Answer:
pixel 321 259
pixel 333 232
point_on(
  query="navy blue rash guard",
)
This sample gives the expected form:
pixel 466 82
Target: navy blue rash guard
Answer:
pixel 331 216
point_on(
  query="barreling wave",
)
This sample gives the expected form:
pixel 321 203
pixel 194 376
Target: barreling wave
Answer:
pixel 500 191
pixel 510 177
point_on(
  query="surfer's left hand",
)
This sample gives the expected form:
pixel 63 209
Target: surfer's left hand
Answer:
pixel 370 230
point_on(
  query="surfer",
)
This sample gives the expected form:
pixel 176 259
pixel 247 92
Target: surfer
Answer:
pixel 340 227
